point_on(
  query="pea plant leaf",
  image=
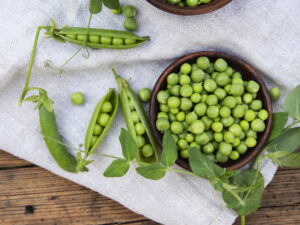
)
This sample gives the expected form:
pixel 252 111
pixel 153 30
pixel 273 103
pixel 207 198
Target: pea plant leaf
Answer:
pixel 288 141
pixel 292 103
pixel 202 166
pixel 245 203
pixel 282 158
pixel 32 98
pixel 117 168
pixel 154 171
pixel 278 124
pixel 129 146
pixel 95 6
pixel 112 4
pixel 169 150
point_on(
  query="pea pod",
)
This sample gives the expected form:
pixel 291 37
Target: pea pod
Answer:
pixel 112 98
pixel 91 37
pixel 127 96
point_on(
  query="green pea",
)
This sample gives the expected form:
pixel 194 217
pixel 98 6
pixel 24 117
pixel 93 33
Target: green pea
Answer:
pixel 130 24
pixel 145 94
pixel 220 93
pixel 225 148
pixel 275 93
pixel 237 89
pixel 162 124
pixel 135 117
pixel 106 107
pixel 236 142
pixel 77 98
pixel 190 117
pixel 176 127
pixel 162 115
pixel 227 88
pixel 210 85
pixel 140 141
pixel 131 106
pixel 103 119
pixel 211 100
pixel 222 79
pixel 252 87
pixel 244 125
pixel 221 158
pixel 197 75
pixel 197 87
pixel 218 137
pixel 230 102
pixel 228 121
pixel 189 138
pixel 173 78
pixel 249 115
pixel 71 36
pixel 207 122
pixel 175 90
pixel 185 68
pixel 139 128
pixel 250 142
pixel 185 104
pixel 237 74
pixel 129 41
pixel 234 155
pixel 162 97
pixel 174 111
pixel 200 109
pixel 212 112
pixel 197 127
pixel 263 114
pixel 242 148
pixel 164 108
pixel 225 111
pixel 258 125
pixel 220 65
pixel 184 79
pixel 184 153
pixel 228 137
pixel 94 38
pixel 208 148
pixel 182 144
pixel 195 145
pixel 217 126
pixel 180 116
pixel 97 130
pixel 203 63
pixel 238 111
pixel 106 40
pixel 186 91
pixel 172 117
pixel 117 41
pixel 82 37
pixel 256 105
pixel 251 133
pixel 93 140
pixel 235 129
pixel 196 98
pixel 129 11
pixel 175 138
pixel 229 71
pixel 247 98
pixel 147 150
pixel 173 102
pixel 202 139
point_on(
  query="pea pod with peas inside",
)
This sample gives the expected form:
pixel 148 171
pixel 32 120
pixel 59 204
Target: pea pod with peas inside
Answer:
pixel 137 122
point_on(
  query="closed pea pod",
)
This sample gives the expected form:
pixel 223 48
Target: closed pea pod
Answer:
pixel 95 133
pixel 127 95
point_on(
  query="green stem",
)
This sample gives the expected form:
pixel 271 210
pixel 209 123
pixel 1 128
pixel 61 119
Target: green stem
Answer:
pixel 291 125
pixel 30 64
pixel 243 220
pixel 257 158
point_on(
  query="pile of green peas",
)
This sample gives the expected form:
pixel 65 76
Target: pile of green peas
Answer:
pixel 209 106
pixel 189 3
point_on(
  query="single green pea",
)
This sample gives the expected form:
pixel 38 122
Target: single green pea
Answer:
pixel 229 71
pixel 275 93
pixel 225 148
pixel 217 126
pixel 105 40
pixel 182 135
pixel 222 79
pixel 234 155
pixel 94 140
pixel 210 85
pixel 117 41
pixel 238 111
pixel 237 89
pixel 196 98
pixel 180 116
pixel 94 38
pixel 220 93
pixel 197 127
pixel 252 87
pixel 130 24
pixel 203 97
pixel 212 112
pixel 235 129
pixel 256 105
pixel 251 133
pixel 164 108
pixel 190 117
pixel 207 122
pixel 236 142
pixel 184 154
pixel 106 107
pixel 176 138
pixel 97 130
pixel 175 90
pixel 210 135
pixel 197 87
pixel 220 65
pixel 192 3
pixel 228 137
pixel 189 138
pixel 185 68
pixel 207 76
pixel 218 137
pixel 103 119
pixel 184 79
pixel 221 158
pixel 185 104
pixel 237 74
pixel 182 144
pixel 249 115
pixel 176 127
pixel 129 11
pixel 227 88
pixel 162 96
pixel 195 145
pixel 131 106
pixel 250 142
pixel 202 139
pixel 211 100
pixel 129 41
pixel 208 148
pixel 140 141
pixel 72 36
pixel 174 111
pixel 230 102
pixel 173 102
pixel 203 63
pixel 139 128
pixel 258 125
pixel 225 111
pixel 242 148
pixel 135 116
pixel 247 98
pixel 77 98
pixel 186 90
pixel 244 125
pixel 263 114
pixel 242 136
pixel 172 117
pixel 228 121
pixel 173 78
pixel 197 75
pixel 82 37
pixel 147 150
pixel 145 94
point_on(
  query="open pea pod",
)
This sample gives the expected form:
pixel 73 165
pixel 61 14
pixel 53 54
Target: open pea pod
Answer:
pixel 90 145
pixel 127 95
pixel 70 34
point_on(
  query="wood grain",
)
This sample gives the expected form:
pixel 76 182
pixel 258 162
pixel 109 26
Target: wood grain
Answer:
pixel 34 196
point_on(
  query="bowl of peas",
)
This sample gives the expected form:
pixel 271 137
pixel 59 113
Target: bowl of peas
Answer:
pixel 189 7
pixel 214 102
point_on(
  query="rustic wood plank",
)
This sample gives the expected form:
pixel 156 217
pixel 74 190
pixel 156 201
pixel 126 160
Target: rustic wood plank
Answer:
pixel 8 160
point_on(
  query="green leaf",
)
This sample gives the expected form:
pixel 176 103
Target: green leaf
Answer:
pixel 288 160
pixel 245 203
pixel 202 166
pixel 169 150
pixel 117 168
pixel 154 171
pixel 112 4
pixel 95 6
pixel 129 146
pixel 292 103
pixel 33 98
pixel 288 141
pixel 278 124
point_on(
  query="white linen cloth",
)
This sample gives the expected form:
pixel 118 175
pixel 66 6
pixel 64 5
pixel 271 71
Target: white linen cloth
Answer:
pixel 266 34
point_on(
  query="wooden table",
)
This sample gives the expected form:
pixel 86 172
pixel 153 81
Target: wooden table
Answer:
pixel 30 195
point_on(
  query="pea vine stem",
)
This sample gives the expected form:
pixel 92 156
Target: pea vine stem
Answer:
pixel 291 125
pixel 243 220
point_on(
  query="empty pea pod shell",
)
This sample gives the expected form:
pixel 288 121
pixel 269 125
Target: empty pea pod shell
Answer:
pixel 67 33
pixel 127 93
pixel 112 97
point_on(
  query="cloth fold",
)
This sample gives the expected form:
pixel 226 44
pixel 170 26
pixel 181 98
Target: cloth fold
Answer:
pixel 266 34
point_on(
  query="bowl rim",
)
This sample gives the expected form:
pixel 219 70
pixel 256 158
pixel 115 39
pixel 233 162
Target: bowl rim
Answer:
pixel 232 165
pixel 186 11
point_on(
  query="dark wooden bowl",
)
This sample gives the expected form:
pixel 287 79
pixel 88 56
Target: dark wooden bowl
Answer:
pixel 185 11
pixel 247 72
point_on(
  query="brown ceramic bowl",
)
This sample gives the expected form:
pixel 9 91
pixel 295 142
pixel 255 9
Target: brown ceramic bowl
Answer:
pixel 247 72
pixel 201 9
